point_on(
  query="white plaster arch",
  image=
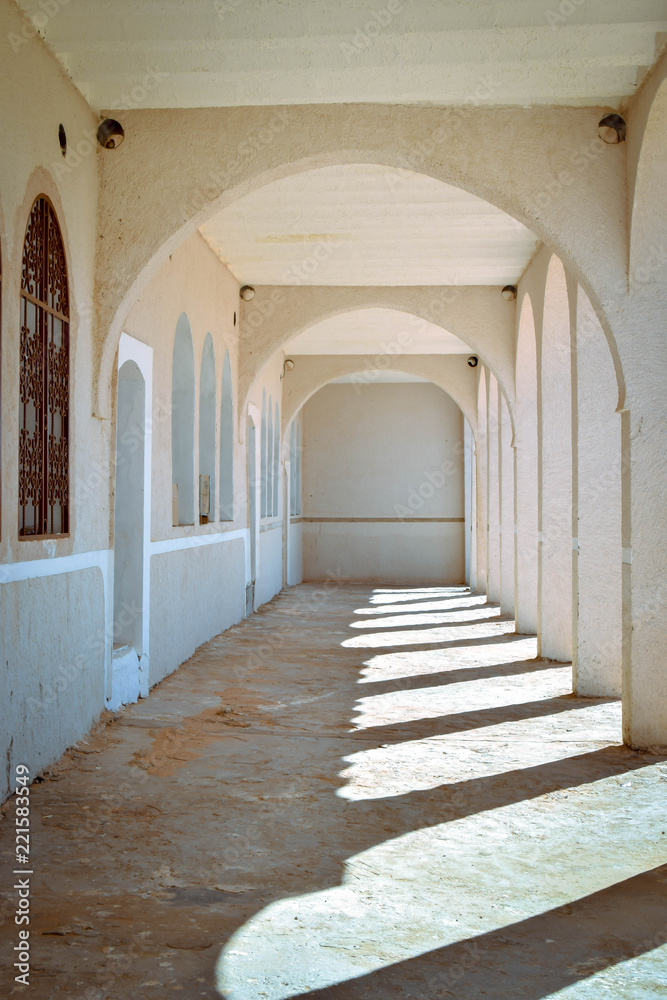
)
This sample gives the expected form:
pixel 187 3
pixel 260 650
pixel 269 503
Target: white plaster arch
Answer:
pixel 648 256
pixel 450 372
pixel 477 315
pixel 217 155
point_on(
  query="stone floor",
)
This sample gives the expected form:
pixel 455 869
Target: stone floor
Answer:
pixel 355 793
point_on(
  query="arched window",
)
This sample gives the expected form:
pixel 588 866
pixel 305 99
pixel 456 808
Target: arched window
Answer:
pixel 207 409
pixel 44 378
pixel 262 469
pixel 269 461
pixel 227 443
pixel 276 460
pixel 183 425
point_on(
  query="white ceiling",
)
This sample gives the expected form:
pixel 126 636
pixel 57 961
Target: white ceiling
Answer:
pixel 221 53
pixel 361 224
pixel 376 333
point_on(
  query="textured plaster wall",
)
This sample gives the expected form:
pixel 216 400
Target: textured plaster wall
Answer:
pixel 52 677
pixel 393 450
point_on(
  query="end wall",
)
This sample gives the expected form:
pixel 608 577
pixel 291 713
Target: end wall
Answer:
pixel 383 484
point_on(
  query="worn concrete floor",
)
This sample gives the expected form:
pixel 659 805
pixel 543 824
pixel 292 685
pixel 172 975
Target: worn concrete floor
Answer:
pixel 355 793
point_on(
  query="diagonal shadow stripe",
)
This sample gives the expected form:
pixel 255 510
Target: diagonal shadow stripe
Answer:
pixel 424 647
pixel 444 677
pixel 399 814
pixel 533 959
pixel 463 722
pixel 399 607
pixel 417 626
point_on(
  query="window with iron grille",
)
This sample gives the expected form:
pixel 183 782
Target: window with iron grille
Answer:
pixel 44 379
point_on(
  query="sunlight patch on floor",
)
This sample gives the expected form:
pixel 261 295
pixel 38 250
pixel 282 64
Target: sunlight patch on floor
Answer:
pixel 456 634
pixel 429 888
pixel 434 617
pixel 406 664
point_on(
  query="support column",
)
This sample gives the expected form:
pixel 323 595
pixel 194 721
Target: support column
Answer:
pixel 493 479
pixel 506 510
pixel 526 576
pixel 482 486
pixel 555 494
pixel 597 582
pixel 468 471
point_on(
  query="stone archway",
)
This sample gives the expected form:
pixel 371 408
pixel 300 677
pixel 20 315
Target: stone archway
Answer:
pixel 154 195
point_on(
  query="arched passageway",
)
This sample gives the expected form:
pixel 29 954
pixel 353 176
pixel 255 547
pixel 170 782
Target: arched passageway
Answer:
pixel 373 325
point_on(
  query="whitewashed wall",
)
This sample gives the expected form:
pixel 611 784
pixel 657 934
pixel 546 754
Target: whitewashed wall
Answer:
pixel 383 492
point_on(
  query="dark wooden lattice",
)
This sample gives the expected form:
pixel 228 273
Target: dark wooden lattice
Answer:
pixel 44 378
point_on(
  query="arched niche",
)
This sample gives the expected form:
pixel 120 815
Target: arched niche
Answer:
pixel 263 436
pixel 183 424
pixel 276 460
pixel 268 461
pixel 207 414
pixel 227 443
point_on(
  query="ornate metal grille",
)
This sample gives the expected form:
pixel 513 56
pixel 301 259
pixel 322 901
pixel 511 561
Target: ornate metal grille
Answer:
pixel 44 378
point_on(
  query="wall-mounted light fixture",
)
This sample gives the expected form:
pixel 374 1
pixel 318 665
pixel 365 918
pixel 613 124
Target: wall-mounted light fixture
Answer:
pixel 110 133
pixel 509 292
pixel 611 129
pixel 247 293
pixel 288 366
pixel 473 361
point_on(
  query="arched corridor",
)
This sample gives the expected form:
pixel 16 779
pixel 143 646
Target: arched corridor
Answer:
pixel 332 548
